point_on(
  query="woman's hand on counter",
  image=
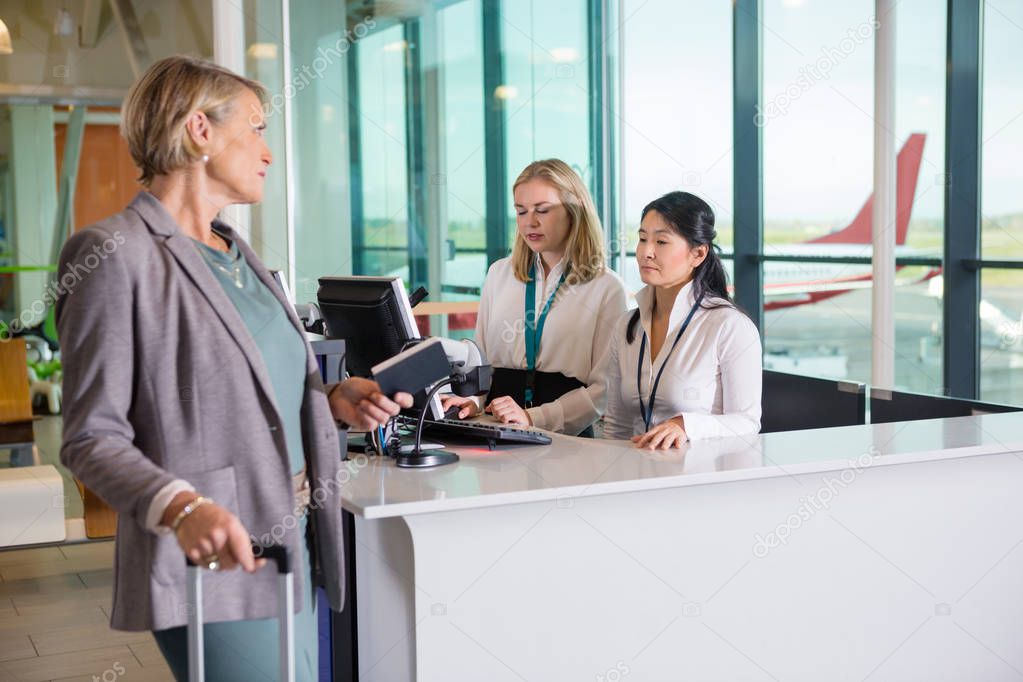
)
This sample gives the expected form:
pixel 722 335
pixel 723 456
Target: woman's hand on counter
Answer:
pixel 359 403
pixel 508 411
pixel 667 434
pixel 212 533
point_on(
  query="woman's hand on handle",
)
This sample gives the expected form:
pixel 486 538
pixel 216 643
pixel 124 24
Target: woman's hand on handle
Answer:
pixel 212 533
pixel 359 403
pixel 467 407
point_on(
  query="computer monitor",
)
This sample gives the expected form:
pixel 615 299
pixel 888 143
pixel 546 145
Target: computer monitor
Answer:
pixel 374 317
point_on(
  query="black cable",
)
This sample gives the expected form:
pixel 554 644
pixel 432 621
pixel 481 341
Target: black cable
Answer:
pixel 454 378
pixel 393 446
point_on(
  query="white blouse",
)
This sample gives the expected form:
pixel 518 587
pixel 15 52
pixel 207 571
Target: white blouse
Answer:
pixel 575 337
pixel 712 379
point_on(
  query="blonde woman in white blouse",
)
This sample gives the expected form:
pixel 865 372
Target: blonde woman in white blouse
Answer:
pixel 548 311
pixel 687 364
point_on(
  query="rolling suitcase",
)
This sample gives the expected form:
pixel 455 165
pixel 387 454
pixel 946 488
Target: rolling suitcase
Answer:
pixel 280 556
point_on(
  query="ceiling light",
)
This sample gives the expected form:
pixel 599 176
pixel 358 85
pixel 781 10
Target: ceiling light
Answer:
pixel 64 24
pixel 262 51
pixel 5 39
pixel 564 55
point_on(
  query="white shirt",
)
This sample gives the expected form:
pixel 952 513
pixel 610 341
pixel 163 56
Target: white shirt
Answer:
pixel 712 379
pixel 575 338
pixel 161 500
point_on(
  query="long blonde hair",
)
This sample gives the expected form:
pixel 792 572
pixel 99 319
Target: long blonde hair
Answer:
pixel 585 257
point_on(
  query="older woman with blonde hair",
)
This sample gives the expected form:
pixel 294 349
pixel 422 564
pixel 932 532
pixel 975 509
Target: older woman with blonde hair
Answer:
pixel 547 312
pixel 193 403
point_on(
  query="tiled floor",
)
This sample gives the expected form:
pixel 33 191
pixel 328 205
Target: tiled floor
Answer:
pixel 54 623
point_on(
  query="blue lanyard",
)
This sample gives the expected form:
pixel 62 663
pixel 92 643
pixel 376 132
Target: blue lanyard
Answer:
pixel 649 415
pixel 534 328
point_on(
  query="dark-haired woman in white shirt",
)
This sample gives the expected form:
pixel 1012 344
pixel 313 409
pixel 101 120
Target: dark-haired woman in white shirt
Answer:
pixel 686 364
pixel 547 312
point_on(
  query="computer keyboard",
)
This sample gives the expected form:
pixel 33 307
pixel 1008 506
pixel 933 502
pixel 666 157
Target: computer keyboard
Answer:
pixel 491 434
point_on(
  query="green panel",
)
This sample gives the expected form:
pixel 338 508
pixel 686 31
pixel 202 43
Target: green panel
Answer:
pixel 33 172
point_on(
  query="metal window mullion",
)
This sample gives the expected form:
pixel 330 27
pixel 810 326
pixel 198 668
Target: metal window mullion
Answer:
pixel 355 163
pixel 612 101
pixel 433 110
pixel 748 207
pixel 618 141
pixel 415 155
pixel 66 183
pixel 494 133
pixel 883 215
pixel 290 183
pixel 600 113
pixel 962 198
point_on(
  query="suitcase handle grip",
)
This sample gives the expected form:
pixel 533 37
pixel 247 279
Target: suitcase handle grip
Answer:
pixel 279 554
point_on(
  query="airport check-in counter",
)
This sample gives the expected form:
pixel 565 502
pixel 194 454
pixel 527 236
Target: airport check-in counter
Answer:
pixel 879 550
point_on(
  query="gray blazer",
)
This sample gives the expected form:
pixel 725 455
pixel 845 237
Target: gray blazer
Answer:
pixel 162 380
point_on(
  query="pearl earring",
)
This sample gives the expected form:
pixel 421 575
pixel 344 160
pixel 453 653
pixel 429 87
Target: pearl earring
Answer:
pixel 205 158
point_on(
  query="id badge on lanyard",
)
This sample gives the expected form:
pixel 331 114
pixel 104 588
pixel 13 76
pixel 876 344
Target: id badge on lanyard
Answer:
pixel 534 329
pixel 649 415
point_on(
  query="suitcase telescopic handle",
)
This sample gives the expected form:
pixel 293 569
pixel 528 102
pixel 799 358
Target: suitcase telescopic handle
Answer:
pixel 278 554
pixel 281 556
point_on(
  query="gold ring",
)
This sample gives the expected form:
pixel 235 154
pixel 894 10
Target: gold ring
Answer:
pixel 212 562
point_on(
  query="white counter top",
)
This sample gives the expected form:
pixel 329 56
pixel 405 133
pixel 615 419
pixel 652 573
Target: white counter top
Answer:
pixel 572 467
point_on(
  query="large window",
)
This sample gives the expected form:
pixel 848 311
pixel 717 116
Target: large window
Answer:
pixel 920 118
pixel 818 120
pixel 462 180
pixel 421 138
pixel 676 114
pixel 546 92
pixel 320 39
pixel 1001 307
pixel 816 116
pixel 304 78
pixel 383 151
pixel 448 100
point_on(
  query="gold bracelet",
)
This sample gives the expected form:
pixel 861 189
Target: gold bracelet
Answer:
pixel 188 509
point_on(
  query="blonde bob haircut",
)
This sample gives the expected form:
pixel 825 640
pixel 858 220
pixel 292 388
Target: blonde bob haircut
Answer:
pixel 584 255
pixel 156 110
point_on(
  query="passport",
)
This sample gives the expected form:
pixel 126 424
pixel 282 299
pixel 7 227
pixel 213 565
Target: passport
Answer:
pixel 414 369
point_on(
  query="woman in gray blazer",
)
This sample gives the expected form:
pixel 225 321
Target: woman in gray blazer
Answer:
pixel 193 403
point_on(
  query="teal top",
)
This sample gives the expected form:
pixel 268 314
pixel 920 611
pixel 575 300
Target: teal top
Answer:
pixel 279 342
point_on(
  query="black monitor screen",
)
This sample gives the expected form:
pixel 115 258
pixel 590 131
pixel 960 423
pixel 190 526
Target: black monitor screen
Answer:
pixel 370 314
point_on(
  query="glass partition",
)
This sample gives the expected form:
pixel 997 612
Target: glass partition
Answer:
pixel 1001 305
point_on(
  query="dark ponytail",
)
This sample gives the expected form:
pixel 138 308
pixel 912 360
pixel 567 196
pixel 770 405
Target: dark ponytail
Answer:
pixel 692 218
